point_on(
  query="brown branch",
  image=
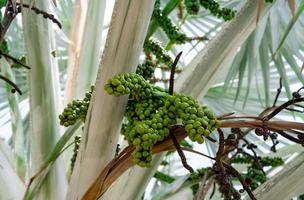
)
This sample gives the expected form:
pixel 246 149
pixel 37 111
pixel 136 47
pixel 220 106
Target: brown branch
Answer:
pixel 221 144
pixel 239 117
pixel 211 139
pixel 278 93
pixel 281 125
pixel 175 142
pixel 181 153
pixel 225 115
pixel 243 182
pixel 283 106
pixel 198 153
pixel 124 160
pixel 289 137
pixel 173 67
pixel 295 110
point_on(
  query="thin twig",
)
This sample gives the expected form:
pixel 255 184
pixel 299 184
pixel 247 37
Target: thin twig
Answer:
pixel 175 142
pixel 298 105
pixel 284 106
pixel 171 81
pixel 225 115
pixel 211 139
pixel 14 59
pixel 213 190
pixel 197 152
pixel 15 87
pixel 285 135
pixel 181 153
pixel 278 93
pixel 38 11
pixel 221 143
pixel 301 88
pixel 243 182
pixel 294 110
pixel 240 117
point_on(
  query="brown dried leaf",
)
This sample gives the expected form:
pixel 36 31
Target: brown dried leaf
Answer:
pixel 291 4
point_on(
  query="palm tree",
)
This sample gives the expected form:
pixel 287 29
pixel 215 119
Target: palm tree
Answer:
pixel 233 66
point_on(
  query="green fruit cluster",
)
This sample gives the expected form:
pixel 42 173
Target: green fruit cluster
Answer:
pixel 77 141
pixel 271 161
pixel 146 69
pixel 151 113
pixel 192 6
pixel 163 177
pixel 4 47
pixel 198 120
pixel 129 83
pixel 154 46
pixel 143 109
pixel 214 7
pixel 254 172
pixel 145 133
pixel 167 25
pixel 196 176
pixel 264 161
pixel 241 160
pixel 75 110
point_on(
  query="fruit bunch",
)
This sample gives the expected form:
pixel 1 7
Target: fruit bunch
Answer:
pixel 151 113
pixel 142 110
pixel 146 69
pixel 77 141
pixel 144 129
pixel 198 120
pixel 129 83
pixel 160 176
pixel 76 110
pixel 192 6
pixel 154 46
pixel 255 175
pixel 196 176
pixel 167 25
pixel 214 7
pixel 271 161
